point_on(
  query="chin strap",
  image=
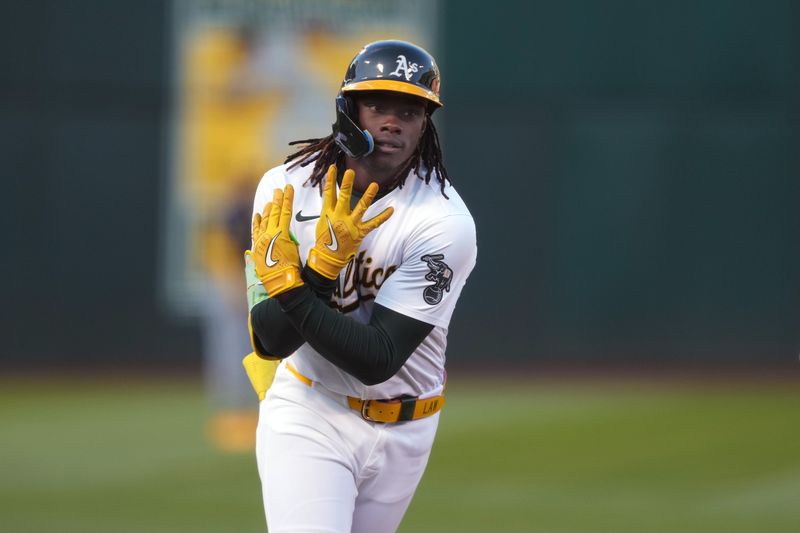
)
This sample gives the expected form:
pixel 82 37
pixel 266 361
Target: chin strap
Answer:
pixel 354 141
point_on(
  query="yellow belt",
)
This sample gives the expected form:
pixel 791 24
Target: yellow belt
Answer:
pixel 386 411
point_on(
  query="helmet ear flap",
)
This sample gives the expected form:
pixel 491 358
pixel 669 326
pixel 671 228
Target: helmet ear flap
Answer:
pixel 349 106
pixel 353 141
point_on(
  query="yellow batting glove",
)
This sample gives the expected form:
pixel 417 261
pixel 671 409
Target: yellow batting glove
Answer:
pixel 274 253
pixel 340 231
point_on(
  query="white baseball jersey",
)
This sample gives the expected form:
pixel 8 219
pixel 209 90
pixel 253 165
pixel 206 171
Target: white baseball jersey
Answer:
pixel 416 264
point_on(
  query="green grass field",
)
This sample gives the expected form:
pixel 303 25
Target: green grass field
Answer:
pixel 536 457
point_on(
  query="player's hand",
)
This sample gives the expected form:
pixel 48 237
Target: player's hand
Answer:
pixel 274 253
pixel 340 231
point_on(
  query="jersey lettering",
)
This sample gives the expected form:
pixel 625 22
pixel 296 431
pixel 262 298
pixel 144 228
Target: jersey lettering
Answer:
pixel 357 275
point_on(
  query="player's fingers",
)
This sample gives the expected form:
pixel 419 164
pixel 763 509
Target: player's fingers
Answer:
pixel 329 192
pixel 256 229
pixel 365 201
pixel 286 209
pixel 275 212
pixel 264 218
pixel 377 220
pixel 345 192
pixel 265 210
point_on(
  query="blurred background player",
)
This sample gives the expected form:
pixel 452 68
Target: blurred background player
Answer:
pixel 249 91
pixel 224 314
pixel 228 103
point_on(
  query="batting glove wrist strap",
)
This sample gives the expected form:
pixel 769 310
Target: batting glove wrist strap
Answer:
pixel 324 264
pixel 282 280
pixel 340 231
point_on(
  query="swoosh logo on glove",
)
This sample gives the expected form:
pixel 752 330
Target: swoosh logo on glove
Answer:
pixel 301 218
pixel 334 245
pixel 269 260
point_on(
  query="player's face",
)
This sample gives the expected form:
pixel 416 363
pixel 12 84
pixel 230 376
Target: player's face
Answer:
pixel 396 123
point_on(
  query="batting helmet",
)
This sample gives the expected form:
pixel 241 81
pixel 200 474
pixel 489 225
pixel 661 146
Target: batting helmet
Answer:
pixel 395 66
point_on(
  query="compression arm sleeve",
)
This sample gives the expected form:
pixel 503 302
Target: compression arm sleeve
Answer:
pixel 372 352
pixel 273 331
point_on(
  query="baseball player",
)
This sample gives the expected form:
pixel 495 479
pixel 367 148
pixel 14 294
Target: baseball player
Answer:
pixel 363 247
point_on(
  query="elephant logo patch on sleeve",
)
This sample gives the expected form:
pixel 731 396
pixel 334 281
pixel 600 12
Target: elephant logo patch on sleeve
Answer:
pixel 440 275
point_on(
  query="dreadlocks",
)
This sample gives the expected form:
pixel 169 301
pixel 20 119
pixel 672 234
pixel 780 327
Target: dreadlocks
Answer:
pixel 324 152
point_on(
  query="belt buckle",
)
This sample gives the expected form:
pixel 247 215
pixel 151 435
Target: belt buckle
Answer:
pixel 365 412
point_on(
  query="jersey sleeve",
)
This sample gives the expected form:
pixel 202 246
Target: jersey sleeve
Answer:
pixel 437 259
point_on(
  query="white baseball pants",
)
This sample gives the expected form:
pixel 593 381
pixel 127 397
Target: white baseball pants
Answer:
pixel 324 469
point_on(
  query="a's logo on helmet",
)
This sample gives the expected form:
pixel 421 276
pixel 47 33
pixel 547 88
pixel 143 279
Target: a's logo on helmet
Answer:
pixel 408 68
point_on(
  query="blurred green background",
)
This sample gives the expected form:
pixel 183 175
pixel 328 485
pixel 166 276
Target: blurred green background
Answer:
pixel 634 173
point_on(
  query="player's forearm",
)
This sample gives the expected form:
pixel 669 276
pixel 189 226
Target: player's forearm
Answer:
pixel 274 332
pixel 372 352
